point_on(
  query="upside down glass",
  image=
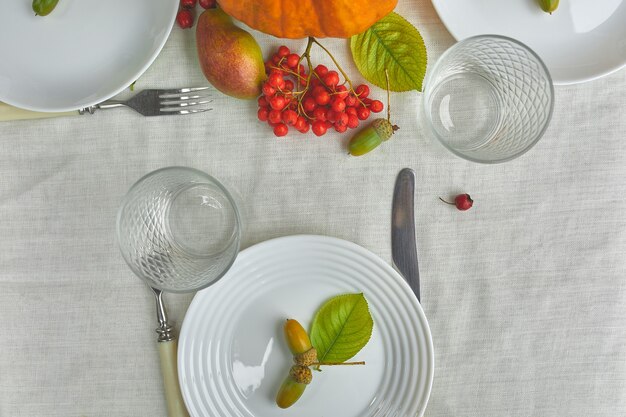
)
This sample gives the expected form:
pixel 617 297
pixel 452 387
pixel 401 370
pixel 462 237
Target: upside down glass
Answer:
pixel 488 99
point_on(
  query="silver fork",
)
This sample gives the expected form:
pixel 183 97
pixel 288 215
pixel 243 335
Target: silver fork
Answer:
pixel 155 102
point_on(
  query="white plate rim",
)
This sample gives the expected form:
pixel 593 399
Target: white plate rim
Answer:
pixel 126 84
pixel 456 35
pixel 351 246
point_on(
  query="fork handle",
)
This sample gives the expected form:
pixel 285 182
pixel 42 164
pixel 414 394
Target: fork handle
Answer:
pixel 8 113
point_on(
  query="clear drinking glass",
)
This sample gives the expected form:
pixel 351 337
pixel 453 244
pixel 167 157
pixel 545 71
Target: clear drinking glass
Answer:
pixel 488 99
pixel 179 229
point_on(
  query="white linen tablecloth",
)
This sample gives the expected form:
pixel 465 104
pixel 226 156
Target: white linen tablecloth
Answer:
pixel 525 293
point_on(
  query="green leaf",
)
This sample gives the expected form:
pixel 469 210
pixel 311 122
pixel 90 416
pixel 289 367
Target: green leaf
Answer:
pixel 395 44
pixel 341 327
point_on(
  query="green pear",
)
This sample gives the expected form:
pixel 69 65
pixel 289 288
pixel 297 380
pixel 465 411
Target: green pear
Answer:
pixel 230 57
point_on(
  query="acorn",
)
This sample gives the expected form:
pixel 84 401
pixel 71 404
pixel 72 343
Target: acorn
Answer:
pixel 368 139
pixel 549 6
pixel 293 386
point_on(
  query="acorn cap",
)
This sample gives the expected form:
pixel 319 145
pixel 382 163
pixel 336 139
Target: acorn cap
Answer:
pixel 383 128
pixel 307 358
pixel 301 374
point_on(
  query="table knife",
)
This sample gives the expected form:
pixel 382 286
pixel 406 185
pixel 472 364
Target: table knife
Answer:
pixel 403 243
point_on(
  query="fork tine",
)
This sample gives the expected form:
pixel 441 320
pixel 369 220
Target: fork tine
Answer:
pixel 172 98
pixel 184 103
pixel 181 90
pixel 190 111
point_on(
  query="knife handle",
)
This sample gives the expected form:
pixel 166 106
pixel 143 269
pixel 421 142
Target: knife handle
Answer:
pixel 8 113
pixel 169 372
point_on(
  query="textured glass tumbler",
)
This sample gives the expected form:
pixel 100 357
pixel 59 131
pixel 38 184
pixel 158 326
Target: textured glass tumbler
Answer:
pixel 488 99
pixel 179 229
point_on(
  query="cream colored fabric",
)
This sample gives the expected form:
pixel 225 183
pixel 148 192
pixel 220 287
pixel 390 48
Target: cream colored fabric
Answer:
pixel 525 293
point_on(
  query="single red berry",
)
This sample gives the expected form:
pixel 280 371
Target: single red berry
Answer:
pixel 350 100
pixel 376 106
pixel 322 98
pixel 278 102
pixel 337 104
pixel 362 91
pixel 342 119
pixel 362 113
pixel 319 113
pixel 262 114
pixel 283 51
pixel 300 123
pixel 184 18
pixel 276 80
pixel 274 116
pixel 331 115
pixel 367 101
pixel 290 117
pixel 341 91
pixel 207 4
pixel 331 79
pixel 351 111
pixel 340 128
pixel 353 121
pixel 188 4
pixel 321 70
pixel 462 202
pixel 305 128
pixel 288 85
pixel 328 124
pixel 275 59
pixel 268 90
pixel 281 129
pixel 292 60
pixel 319 127
pixel 263 102
pixel 309 104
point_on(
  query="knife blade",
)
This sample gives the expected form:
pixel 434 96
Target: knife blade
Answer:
pixel 403 243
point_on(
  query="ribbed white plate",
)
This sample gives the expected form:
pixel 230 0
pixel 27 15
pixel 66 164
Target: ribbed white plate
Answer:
pixel 232 356
pixel 581 41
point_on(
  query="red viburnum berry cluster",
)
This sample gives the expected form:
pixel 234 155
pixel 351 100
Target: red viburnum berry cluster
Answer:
pixel 185 16
pixel 315 101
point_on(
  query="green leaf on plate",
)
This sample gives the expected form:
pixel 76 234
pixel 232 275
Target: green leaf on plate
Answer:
pixel 395 44
pixel 341 327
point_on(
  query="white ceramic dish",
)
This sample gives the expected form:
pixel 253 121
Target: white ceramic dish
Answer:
pixel 232 356
pixel 581 41
pixel 82 53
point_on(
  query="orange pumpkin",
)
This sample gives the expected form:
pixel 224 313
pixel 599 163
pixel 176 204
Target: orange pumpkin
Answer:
pixel 301 18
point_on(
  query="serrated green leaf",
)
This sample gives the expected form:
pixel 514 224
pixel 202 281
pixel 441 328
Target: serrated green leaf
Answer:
pixel 392 43
pixel 341 327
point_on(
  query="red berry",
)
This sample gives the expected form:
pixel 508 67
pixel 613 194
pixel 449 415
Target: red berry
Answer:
pixel 340 128
pixel 274 116
pixel 331 115
pixel 351 111
pixel 328 124
pixel 263 102
pixel 276 80
pixel 353 121
pixel 363 113
pixel 268 90
pixel 319 127
pixel 338 104
pixel 367 101
pixel 341 91
pixel 309 104
pixel 300 123
pixel 184 18
pixel 350 100
pixel 292 60
pixel 188 4
pixel 376 106
pixel 321 70
pixel 262 114
pixel 288 85
pixel 362 91
pixel 207 4
pixel 278 102
pixel 283 51
pixel 462 202
pixel 290 117
pixel 331 79
pixel 305 128
pixel 281 129
pixel 341 119
pixel 319 113
pixel 322 98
